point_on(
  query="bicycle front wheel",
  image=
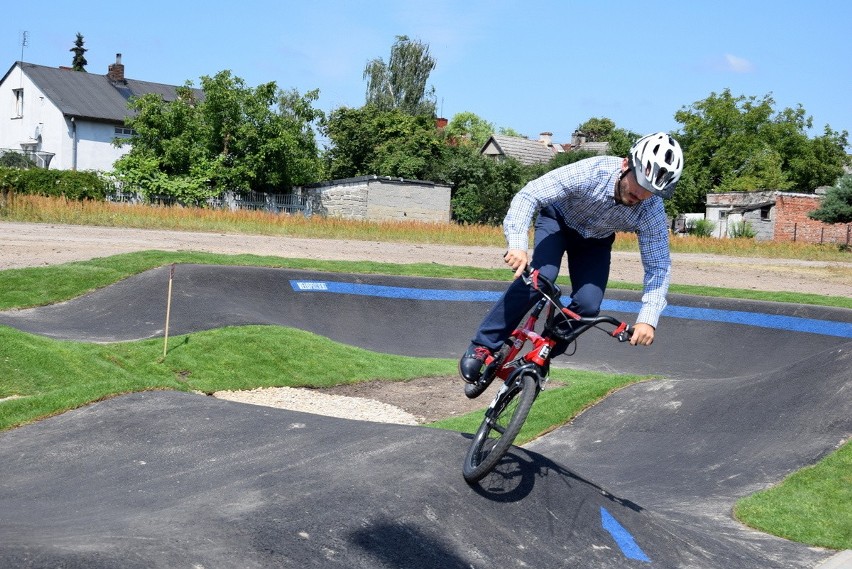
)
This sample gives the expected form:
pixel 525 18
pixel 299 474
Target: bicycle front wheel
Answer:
pixel 501 425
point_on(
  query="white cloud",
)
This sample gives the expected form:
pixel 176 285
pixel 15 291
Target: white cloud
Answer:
pixel 737 64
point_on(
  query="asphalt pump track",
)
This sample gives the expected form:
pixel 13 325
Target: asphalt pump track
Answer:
pixel 750 392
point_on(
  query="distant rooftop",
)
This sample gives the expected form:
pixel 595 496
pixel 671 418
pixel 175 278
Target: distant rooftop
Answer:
pixel 89 95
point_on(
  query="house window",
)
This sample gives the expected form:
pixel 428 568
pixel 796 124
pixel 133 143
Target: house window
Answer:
pixel 764 213
pixel 723 214
pixel 124 131
pixel 19 103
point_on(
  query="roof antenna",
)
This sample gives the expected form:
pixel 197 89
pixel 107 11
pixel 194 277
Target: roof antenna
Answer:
pixel 25 41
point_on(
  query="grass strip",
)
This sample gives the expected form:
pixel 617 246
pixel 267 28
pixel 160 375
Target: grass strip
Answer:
pixel 567 395
pixel 44 377
pixel 812 506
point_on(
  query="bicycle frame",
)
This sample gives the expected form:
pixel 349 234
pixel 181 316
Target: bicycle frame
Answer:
pixel 539 354
pixel 543 344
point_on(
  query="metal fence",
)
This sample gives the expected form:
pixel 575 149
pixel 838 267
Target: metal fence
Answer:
pixel 254 201
pixel 25 158
pixel 276 203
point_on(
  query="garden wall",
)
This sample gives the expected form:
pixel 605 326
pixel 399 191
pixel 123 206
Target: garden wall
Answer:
pixel 793 224
pixel 379 199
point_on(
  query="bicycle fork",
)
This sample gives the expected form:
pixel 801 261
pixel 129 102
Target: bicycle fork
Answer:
pixel 513 382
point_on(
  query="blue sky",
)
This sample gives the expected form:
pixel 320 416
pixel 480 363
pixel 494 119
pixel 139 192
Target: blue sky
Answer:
pixel 530 65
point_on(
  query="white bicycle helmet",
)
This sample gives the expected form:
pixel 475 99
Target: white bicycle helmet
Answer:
pixel 657 161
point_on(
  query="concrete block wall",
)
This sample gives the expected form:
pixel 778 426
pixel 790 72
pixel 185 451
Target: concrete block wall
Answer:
pixel 380 199
pixel 793 224
pixel 400 200
pixel 763 227
pixel 346 200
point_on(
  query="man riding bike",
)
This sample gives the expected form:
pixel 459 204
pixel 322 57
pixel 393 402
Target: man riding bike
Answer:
pixel 580 208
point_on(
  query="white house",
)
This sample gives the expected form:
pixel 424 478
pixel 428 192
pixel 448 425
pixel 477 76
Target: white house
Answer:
pixel 68 120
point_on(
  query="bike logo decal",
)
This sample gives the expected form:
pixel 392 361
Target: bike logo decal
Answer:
pixel 310 285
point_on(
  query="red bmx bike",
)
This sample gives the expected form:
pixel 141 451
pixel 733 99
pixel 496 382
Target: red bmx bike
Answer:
pixel 523 364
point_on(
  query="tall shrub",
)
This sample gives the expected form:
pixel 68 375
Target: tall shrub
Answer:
pixel 56 183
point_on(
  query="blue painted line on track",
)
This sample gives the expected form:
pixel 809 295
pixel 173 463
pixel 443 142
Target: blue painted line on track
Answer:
pixel 622 537
pixel 396 292
pixel 758 319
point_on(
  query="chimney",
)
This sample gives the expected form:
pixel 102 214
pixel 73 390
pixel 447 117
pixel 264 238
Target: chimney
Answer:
pixel 441 122
pixel 115 73
pixel 546 138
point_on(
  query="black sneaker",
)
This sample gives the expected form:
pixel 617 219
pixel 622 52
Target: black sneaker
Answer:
pixel 470 364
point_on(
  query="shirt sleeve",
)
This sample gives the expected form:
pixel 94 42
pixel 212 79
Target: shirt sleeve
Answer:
pixel 536 195
pixel 656 260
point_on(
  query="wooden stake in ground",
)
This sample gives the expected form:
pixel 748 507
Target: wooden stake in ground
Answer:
pixel 168 309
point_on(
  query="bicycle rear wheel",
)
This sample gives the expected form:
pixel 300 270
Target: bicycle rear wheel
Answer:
pixel 501 425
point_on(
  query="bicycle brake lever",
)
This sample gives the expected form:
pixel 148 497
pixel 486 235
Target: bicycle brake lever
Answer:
pixel 623 332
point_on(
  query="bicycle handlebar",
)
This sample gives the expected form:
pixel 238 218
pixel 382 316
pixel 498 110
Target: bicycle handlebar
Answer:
pixel 551 290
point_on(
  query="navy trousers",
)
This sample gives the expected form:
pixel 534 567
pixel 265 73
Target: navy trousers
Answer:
pixel 588 269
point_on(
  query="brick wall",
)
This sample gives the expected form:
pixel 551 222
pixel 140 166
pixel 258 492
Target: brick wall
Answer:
pixel 793 224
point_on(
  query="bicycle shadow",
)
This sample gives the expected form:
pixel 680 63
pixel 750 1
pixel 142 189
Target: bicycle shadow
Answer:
pixel 518 472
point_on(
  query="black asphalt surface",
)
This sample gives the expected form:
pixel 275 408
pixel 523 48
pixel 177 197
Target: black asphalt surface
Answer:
pixel 646 478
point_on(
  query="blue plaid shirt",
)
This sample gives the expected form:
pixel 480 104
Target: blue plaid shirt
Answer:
pixel 583 194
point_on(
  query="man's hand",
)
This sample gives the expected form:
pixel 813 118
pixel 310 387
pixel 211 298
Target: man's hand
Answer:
pixel 643 335
pixel 517 259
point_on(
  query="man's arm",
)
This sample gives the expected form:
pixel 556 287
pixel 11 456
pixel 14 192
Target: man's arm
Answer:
pixel 656 261
pixel 537 194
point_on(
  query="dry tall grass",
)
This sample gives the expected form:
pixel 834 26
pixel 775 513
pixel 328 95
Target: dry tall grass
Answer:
pixel 57 210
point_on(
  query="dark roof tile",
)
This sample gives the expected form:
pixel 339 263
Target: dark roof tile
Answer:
pixel 91 96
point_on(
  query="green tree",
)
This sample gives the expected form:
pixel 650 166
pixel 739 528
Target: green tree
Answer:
pixel 509 131
pixel 597 129
pixel 741 143
pixel 225 137
pixel 78 63
pixel 469 128
pixel 604 130
pixel 482 187
pixel 372 141
pixel 400 84
pixel 836 207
